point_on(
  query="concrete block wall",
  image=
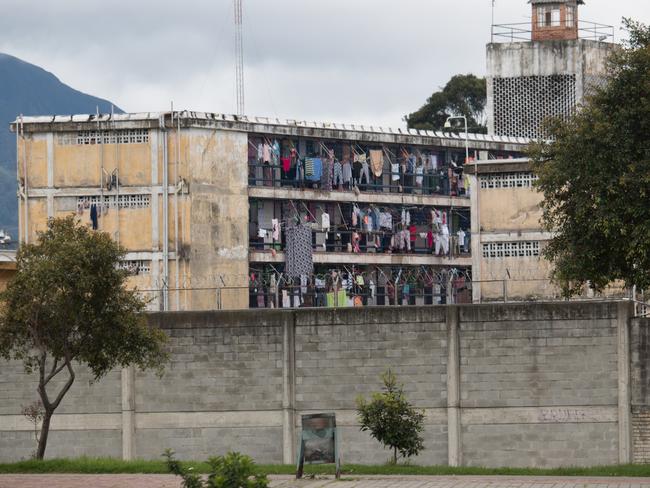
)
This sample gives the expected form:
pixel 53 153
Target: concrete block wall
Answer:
pixel 518 385
pixel 88 421
pixel 640 397
pixel 223 387
pixel 341 354
pixel 539 385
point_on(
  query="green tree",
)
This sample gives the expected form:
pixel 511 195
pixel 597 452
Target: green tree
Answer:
pixel 234 470
pixel 68 306
pixel 462 95
pixel 594 173
pixel 391 419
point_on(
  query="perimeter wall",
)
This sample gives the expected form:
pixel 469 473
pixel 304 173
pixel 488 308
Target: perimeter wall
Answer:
pixel 502 385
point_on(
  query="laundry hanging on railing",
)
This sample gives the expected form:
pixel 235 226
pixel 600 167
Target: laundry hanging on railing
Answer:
pixel 299 251
pixel 377 162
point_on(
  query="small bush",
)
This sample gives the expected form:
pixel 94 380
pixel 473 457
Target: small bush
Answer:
pixel 392 420
pixel 234 470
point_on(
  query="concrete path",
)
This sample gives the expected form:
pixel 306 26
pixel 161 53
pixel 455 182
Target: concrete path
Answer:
pixel 167 481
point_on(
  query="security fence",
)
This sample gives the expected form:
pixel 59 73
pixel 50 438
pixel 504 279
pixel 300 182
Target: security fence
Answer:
pixel 456 289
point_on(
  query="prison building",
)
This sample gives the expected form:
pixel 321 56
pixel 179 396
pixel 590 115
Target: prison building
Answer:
pixel 218 211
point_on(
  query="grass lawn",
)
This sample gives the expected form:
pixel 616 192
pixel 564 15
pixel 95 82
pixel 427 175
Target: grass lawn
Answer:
pixel 115 466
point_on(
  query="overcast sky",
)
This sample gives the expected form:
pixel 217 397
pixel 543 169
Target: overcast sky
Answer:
pixel 365 61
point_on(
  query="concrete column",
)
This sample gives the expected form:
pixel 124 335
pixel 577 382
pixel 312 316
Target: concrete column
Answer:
pixel 154 143
pixel 624 396
pixel 128 413
pixel 475 243
pixel 288 389
pixel 453 387
pixel 50 174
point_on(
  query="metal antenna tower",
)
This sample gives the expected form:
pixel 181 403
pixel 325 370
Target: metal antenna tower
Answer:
pixel 239 56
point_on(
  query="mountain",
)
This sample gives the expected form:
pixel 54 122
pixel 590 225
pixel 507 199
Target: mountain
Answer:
pixel 30 90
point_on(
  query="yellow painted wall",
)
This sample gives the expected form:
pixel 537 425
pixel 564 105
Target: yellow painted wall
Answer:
pixel 504 209
pixel 526 278
pixel 210 222
pixel 76 165
pixel 36 147
pixel 219 226
pixel 133 162
pixel 80 165
pixel 37 210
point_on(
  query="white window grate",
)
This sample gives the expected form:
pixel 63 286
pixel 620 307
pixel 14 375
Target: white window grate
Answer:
pixel 89 137
pixel 113 201
pixel 522 104
pixel 522 249
pixel 508 180
pixel 136 266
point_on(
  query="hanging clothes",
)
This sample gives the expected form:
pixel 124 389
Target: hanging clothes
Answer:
pixel 356 238
pixel 413 235
pixel 300 170
pixel 275 152
pixel 375 215
pixel 410 164
pixel 266 153
pixel 342 299
pixel 386 220
pixel 286 164
pixel 93 216
pixel 394 170
pixel 275 223
pixel 318 169
pixel 325 222
pixel 365 172
pixel 299 251
pixel 419 175
pixel 461 239
pixel 326 176
pixel 286 302
pixel 377 162
pixel 338 174
pixel 444 237
pixel 346 170
pixel 434 162
pixel 309 168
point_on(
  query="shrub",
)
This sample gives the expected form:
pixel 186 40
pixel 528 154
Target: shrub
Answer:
pixel 234 470
pixel 391 419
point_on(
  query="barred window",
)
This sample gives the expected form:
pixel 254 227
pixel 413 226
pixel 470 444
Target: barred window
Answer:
pixel 136 266
pixel 521 249
pixel 508 180
pixel 114 201
pixel 120 136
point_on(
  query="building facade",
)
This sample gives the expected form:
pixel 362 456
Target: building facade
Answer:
pixel 507 262
pixel 224 212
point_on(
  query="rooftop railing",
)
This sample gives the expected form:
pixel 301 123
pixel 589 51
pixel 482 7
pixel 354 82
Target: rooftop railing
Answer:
pixel 523 32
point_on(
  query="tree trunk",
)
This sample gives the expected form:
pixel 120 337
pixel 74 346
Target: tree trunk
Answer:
pixel 395 456
pixel 45 430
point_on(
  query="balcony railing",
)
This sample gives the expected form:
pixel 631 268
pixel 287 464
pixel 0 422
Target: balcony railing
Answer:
pixel 342 241
pixel 440 182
